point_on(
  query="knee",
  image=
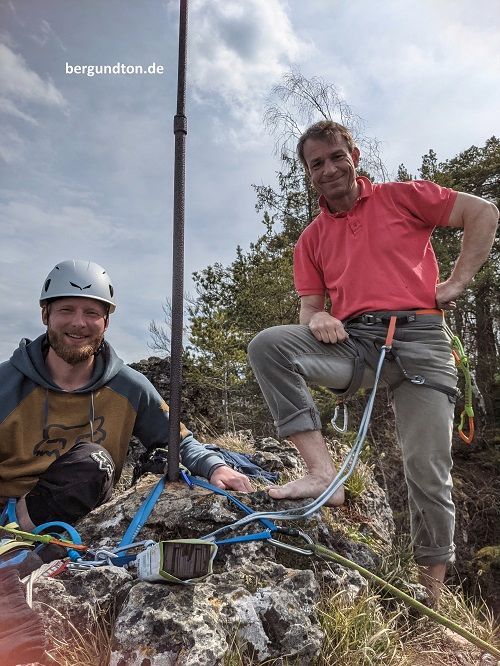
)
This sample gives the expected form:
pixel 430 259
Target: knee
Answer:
pixel 96 464
pixel 263 344
pixel 73 485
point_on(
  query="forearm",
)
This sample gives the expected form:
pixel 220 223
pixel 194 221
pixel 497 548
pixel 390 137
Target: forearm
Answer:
pixel 307 312
pixel 478 236
pixel 322 324
pixel 197 458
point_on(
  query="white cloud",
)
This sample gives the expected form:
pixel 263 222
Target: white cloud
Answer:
pixel 12 146
pixel 237 51
pixel 19 81
pixel 46 35
pixel 24 220
pixel 8 107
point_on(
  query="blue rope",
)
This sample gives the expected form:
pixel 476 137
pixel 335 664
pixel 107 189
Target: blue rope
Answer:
pixel 9 512
pixel 143 513
pixel 74 536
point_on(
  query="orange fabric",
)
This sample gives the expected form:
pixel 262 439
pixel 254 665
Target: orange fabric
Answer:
pixel 429 311
pixel 390 331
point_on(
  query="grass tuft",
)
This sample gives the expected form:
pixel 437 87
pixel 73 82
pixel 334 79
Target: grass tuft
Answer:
pixel 358 633
pixel 90 647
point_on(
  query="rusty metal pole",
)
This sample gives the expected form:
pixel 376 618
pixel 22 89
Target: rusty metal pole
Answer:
pixel 180 132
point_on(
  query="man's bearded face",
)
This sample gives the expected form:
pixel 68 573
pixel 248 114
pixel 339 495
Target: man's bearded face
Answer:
pixel 75 328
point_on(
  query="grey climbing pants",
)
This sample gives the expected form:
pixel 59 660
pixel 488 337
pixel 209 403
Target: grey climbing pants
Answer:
pixel 284 358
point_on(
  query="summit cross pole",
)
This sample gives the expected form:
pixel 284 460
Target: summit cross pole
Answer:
pixel 180 131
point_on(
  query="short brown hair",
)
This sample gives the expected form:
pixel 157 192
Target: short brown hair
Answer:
pixel 324 130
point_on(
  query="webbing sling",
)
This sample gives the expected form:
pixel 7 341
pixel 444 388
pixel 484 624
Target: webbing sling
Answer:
pixel 141 516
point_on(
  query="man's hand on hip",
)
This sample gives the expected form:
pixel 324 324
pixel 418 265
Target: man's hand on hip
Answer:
pixel 326 328
pixel 446 293
pixel 229 479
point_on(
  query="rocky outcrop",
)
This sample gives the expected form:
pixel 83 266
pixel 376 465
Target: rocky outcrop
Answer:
pixel 260 601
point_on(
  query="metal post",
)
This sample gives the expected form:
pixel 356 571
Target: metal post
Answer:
pixel 180 131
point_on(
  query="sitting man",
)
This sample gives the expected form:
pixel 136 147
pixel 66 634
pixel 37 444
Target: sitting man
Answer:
pixel 369 251
pixel 70 406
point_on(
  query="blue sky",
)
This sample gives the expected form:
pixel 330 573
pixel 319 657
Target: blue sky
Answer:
pixel 87 162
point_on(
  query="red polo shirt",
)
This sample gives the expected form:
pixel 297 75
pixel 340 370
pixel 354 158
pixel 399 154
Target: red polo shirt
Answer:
pixel 378 255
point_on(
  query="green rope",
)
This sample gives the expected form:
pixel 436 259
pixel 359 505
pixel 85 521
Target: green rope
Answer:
pixel 322 551
pixel 462 362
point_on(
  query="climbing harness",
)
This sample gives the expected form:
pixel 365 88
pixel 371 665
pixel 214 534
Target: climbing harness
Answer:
pixel 461 361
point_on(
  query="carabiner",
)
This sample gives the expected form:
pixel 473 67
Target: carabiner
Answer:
pixel 464 437
pixel 291 547
pixel 335 417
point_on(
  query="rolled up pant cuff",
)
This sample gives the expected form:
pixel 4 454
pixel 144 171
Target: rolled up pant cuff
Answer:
pixel 304 420
pixel 425 556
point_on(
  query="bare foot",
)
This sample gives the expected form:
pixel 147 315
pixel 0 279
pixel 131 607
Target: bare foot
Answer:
pixel 310 486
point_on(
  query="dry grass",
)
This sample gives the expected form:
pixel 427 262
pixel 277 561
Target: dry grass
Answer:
pixel 235 442
pixel 376 630
pixel 89 647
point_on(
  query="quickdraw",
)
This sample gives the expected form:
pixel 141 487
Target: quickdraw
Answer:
pixel 462 363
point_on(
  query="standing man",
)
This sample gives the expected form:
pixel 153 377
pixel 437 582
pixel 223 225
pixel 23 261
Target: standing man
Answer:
pixel 69 407
pixel 369 252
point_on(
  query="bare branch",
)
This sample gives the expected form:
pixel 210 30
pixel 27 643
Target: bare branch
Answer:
pixel 298 102
pixel 161 333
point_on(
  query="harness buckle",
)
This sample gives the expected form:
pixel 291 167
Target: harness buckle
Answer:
pixel 369 319
pixel 417 379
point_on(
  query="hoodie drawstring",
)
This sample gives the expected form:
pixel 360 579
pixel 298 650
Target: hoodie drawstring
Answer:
pixel 91 416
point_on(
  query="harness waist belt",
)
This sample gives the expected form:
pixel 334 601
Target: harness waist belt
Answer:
pixel 402 317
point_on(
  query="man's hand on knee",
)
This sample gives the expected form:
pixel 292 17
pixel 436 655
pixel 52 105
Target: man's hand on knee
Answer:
pixel 326 328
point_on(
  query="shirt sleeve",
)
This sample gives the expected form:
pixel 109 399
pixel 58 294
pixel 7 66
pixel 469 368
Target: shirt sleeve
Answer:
pixel 307 275
pixel 425 201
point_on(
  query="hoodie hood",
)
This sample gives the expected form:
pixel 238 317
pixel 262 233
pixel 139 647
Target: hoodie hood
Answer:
pixel 29 359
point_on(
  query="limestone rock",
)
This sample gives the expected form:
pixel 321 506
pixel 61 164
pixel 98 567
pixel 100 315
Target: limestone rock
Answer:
pixel 261 599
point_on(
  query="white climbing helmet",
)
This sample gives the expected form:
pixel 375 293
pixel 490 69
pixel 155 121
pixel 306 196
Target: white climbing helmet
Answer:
pixel 76 277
